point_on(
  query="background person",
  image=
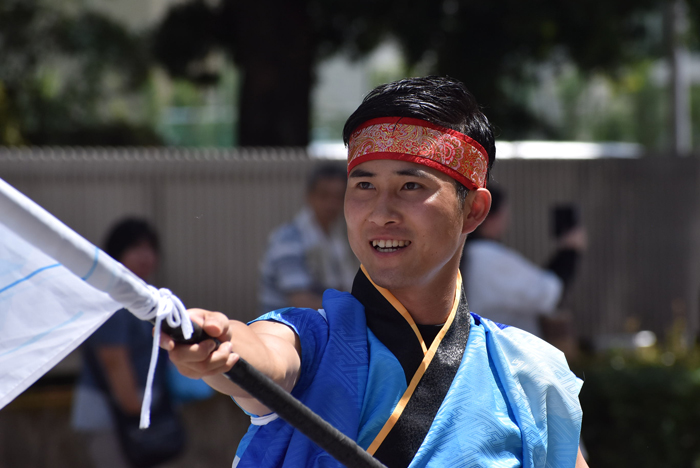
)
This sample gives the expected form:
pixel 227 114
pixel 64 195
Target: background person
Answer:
pixel 311 253
pixel 121 348
pixel 506 287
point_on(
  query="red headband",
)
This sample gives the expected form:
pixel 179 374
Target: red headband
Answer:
pixel 421 142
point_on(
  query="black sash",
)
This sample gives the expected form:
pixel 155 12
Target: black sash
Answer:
pixel 403 440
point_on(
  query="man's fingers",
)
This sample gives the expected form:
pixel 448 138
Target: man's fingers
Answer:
pixel 217 367
pixel 166 342
pixel 214 327
pixel 197 352
pixel 209 357
pixel 202 359
pixel 214 324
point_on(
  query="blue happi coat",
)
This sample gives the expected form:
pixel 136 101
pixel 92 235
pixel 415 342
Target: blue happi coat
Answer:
pixel 513 401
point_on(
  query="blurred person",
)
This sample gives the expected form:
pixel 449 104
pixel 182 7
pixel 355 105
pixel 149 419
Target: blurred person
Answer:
pixel 116 357
pixel 400 364
pixel 311 253
pixel 506 287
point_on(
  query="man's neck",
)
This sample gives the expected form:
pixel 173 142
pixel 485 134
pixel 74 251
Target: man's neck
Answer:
pixel 430 304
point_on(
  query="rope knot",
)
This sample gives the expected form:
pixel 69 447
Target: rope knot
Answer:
pixel 170 308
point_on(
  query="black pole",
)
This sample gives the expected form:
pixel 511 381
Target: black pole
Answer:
pixel 298 415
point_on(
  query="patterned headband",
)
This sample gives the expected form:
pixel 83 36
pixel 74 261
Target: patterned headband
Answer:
pixel 418 141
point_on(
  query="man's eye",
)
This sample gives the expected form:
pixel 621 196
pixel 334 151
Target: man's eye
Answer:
pixel 411 186
pixel 364 185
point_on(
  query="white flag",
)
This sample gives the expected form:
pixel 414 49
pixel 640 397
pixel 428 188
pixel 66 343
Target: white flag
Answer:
pixel 56 288
pixel 45 313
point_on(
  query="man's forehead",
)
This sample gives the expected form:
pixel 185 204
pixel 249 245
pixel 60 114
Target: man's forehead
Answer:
pixel 392 167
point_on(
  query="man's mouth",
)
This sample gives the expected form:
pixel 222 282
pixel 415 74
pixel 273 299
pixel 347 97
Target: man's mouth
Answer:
pixel 389 245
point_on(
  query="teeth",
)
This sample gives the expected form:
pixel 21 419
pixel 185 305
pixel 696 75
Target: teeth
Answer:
pixel 388 244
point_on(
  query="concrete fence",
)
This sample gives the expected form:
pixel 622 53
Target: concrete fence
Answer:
pixel 214 210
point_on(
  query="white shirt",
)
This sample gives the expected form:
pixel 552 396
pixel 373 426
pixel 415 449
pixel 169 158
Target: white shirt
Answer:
pixel 507 288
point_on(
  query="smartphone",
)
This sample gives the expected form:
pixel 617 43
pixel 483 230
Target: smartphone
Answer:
pixel 565 217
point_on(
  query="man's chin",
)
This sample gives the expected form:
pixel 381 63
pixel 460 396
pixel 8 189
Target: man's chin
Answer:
pixel 387 278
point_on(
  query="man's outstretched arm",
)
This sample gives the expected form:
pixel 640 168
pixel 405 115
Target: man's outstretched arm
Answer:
pixel 270 347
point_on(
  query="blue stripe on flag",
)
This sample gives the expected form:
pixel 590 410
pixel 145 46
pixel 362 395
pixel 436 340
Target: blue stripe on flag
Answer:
pixel 94 265
pixel 36 338
pixel 21 280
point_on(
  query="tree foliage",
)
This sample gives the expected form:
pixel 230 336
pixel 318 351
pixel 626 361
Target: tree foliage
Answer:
pixel 641 408
pixel 492 46
pixel 58 72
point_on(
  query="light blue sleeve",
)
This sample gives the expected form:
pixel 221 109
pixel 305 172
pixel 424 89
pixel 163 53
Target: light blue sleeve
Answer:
pixel 543 393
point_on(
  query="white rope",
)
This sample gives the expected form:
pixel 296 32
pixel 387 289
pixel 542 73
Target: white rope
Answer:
pixel 171 309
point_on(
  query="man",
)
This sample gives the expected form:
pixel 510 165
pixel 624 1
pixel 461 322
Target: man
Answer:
pixel 400 365
pixel 310 254
pixel 506 287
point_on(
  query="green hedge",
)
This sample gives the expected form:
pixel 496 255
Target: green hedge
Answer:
pixel 642 410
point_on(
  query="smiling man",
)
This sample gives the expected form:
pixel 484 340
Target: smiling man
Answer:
pixel 400 364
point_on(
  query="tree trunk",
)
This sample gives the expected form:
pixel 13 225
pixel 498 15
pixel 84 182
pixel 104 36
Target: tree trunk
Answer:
pixel 275 50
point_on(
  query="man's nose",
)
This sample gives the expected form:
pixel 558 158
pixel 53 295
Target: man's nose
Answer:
pixel 384 210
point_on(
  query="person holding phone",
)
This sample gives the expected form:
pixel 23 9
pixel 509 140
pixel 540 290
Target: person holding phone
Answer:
pixel 506 287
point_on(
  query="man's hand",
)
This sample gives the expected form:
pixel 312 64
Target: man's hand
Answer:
pixel 272 348
pixel 208 357
pixel 576 239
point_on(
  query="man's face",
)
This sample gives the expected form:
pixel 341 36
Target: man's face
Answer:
pixel 411 210
pixel 326 200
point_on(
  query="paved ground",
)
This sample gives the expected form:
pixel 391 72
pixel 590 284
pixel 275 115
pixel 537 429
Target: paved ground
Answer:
pixel 35 433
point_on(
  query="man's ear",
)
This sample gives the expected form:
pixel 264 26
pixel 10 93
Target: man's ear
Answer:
pixel 476 208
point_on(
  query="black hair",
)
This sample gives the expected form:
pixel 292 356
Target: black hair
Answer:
pixel 439 100
pixel 128 233
pixel 326 171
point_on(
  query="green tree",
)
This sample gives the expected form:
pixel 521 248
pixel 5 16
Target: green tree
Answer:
pixel 495 47
pixel 61 74
pixel 492 46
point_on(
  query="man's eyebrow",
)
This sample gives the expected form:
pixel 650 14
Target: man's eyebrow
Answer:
pixel 413 172
pixel 361 173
